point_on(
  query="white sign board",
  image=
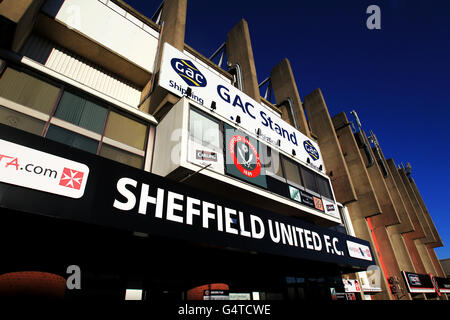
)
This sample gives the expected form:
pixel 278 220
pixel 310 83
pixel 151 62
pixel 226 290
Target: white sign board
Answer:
pixel 331 208
pixel 351 285
pixel 30 168
pixel 359 251
pixel 178 72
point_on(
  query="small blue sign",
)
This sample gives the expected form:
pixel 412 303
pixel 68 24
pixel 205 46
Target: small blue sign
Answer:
pixel 311 150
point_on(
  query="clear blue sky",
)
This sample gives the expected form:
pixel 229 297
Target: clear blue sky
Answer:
pixel 397 78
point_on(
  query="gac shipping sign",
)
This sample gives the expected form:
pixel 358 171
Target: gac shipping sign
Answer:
pixel 178 72
pixel 123 197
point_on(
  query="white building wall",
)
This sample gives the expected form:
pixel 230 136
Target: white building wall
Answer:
pixel 76 68
pixel 109 25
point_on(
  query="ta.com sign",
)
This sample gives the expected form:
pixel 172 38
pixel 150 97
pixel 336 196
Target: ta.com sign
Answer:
pixel 180 71
pixel 33 169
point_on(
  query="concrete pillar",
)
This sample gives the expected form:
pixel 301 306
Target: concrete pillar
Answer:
pixel 390 261
pixel 403 261
pixel 437 264
pixel 322 125
pixel 395 232
pixel 401 251
pixel 389 216
pixel 379 223
pixel 414 253
pixel 173 19
pixel 418 232
pixel 367 199
pixel 429 267
pixel 239 51
pixel 428 236
pixel 438 240
pixel 405 224
pixel 17 19
pixel 284 87
pixel 367 204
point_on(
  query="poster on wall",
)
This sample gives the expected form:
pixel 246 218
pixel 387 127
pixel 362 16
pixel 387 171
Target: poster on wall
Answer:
pixel 243 157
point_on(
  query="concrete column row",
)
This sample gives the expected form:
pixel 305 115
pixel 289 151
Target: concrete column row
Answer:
pixel 400 228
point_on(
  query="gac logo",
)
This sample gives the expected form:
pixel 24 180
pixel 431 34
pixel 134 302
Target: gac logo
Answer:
pixel 311 150
pixel 188 72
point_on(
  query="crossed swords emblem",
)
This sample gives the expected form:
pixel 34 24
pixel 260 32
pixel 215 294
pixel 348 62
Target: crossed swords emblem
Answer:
pixel 242 150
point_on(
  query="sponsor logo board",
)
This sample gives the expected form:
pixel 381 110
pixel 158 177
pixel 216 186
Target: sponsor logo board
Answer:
pixel 318 204
pixel 206 155
pixel 331 208
pixel 351 285
pixel 359 251
pixel 30 168
pixel 307 199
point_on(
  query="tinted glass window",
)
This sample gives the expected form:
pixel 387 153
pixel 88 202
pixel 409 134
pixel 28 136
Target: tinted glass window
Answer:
pixel 271 161
pixel 126 130
pixel 204 130
pixel 28 91
pixel 122 156
pixel 21 121
pixel 72 139
pixel 291 170
pixel 309 178
pixel 324 187
pixel 81 112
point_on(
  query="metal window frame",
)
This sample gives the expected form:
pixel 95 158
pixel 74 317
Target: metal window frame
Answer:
pixel 52 120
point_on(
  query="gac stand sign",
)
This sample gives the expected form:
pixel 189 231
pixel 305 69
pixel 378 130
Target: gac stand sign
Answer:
pixel 178 73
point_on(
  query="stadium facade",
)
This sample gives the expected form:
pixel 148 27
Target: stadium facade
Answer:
pixel 152 172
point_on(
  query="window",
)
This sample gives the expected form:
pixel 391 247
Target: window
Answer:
pixel 324 187
pixel 120 132
pixel 342 226
pixel 81 112
pixel 121 156
pixel 291 171
pixel 205 146
pixel 134 135
pixel 271 162
pixel 76 121
pixel 72 139
pixel 20 121
pixel 204 130
pixel 28 91
pixel 309 177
